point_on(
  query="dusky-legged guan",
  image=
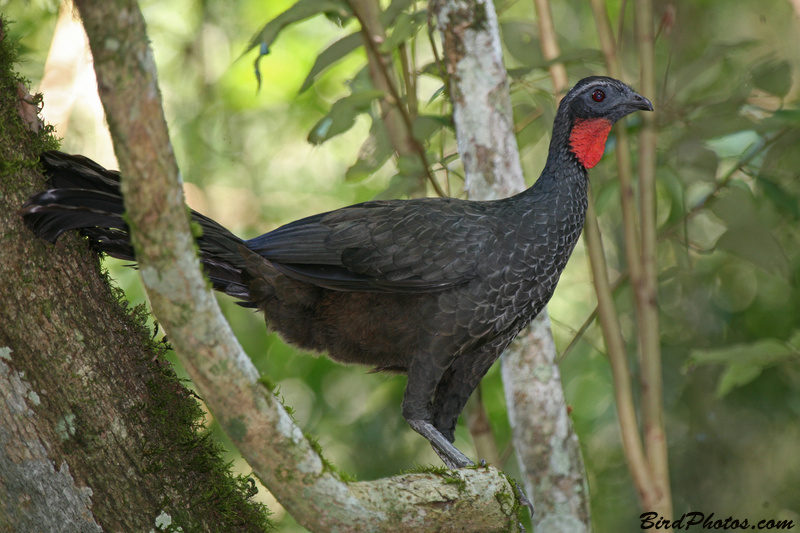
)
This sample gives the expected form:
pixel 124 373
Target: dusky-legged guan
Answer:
pixel 435 288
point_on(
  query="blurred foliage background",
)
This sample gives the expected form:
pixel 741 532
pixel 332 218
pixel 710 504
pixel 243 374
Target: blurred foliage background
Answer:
pixel 728 217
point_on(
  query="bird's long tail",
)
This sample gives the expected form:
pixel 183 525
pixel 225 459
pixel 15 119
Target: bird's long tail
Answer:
pixel 85 196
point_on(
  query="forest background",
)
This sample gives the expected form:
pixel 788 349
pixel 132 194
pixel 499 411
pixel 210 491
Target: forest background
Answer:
pixel 728 219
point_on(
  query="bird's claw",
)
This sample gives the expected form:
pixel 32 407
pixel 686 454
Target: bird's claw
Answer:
pixel 523 500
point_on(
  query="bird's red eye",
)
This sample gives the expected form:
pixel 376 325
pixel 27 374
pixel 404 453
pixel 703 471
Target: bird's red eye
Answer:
pixel 598 95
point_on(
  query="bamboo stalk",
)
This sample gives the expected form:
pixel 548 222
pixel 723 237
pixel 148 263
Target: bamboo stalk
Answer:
pixel 647 294
pixel 550 48
pixel 630 222
pixel 617 356
pixel 609 323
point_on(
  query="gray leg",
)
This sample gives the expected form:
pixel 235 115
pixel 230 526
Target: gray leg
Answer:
pixel 424 376
pixel 454 389
pixel 449 454
pixel 457 385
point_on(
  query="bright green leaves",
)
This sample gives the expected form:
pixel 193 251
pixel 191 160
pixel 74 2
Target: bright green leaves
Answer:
pixel 385 89
pixel 302 10
pixel 331 55
pixel 342 115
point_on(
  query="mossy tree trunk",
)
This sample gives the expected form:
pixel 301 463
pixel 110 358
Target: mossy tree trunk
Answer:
pixel 96 431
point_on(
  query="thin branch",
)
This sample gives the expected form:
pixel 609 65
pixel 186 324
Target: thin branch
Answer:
pixel 617 353
pixel 621 22
pixel 401 134
pixel 409 79
pixel 480 428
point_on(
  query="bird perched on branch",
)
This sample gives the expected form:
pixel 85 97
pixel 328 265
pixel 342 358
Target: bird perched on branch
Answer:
pixel 435 288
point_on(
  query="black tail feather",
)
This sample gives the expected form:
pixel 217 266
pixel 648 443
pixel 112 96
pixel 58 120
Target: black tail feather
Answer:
pixel 52 212
pixel 86 197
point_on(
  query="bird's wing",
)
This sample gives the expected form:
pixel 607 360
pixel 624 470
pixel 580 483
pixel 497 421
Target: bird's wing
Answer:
pixel 419 245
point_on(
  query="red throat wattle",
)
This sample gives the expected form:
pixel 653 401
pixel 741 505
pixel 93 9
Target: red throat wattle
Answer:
pixel 588 139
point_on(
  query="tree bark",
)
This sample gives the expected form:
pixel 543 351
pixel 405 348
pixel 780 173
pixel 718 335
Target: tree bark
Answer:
pixel 545 442
pixel 96 431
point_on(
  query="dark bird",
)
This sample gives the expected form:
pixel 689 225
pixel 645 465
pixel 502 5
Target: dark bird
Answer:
pixel 435 288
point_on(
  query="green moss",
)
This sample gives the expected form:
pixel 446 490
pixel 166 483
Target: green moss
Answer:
pixel 194 227
pixel 442 471
pixel 267 382
pixel 21 145
pixel 429 469
pixel 511 501
pixel 327 466
pixel 459 482
pixel 236 430
pixel 190 452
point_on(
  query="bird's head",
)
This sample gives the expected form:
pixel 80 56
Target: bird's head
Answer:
pixel 589 110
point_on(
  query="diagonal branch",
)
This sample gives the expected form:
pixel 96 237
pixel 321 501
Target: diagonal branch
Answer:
pixel 398 119
pixel 250 414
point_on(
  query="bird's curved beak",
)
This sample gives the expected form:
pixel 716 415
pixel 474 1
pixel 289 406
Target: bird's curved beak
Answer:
pixel 637 101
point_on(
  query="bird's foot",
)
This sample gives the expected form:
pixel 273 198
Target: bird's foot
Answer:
pixel 449 454
pixel 523 500
pixel 452 457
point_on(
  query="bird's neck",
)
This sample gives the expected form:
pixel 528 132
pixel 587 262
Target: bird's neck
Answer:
pixel 575 146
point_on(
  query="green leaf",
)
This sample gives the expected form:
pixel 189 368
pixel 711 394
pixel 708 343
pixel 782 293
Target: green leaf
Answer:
pixel 426 126
pixel 717 120
pixel 301 10
pixel 606 196
pixel 782 161
pixel 399 185
pixel 331 55
pixel 737 375
pixel 736 205
pixel 756 244
pixel 372 155
pixel 410 166
pixel 520 40
pixel 781 198
pixel 774 77
pixel 393 10
pixel 746 237
pixel 577 56
pixel 342 115
pixel 744 361
pixel 408 24
pixel 696 162
pixel 440 91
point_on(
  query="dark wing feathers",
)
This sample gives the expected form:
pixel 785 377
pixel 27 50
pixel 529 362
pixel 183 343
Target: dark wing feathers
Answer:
pixel 382 246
